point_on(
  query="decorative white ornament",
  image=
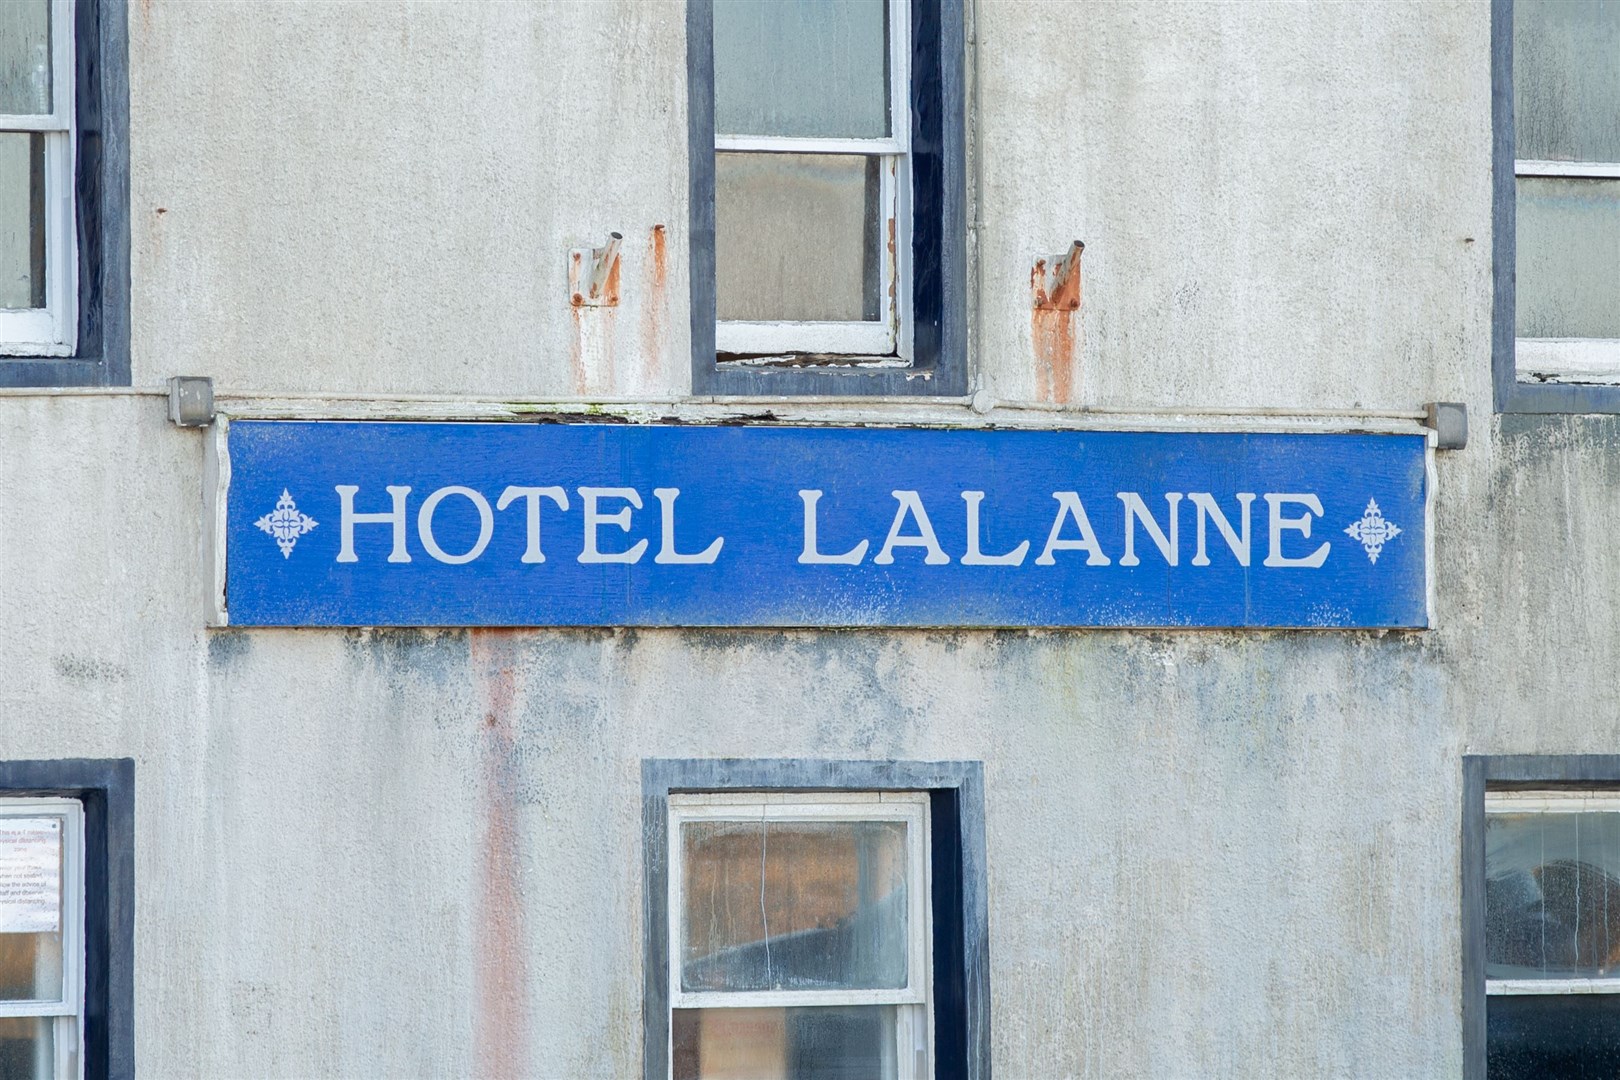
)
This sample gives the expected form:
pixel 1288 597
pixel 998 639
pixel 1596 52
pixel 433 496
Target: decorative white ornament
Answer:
pixel 286 524
pixel 1372 531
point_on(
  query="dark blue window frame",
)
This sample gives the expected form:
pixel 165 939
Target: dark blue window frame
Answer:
pixel 1505 772
pixel 939 225
pixel 106 789
pixel 1511 395
pixel 961 951
pixel 101 43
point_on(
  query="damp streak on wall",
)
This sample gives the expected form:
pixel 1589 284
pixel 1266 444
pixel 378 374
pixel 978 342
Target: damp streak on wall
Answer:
pixel 502 976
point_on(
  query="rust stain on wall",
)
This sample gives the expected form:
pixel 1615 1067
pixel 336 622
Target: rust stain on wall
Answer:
pixel 591 350
pixel 576 277
pixel 1055 288
pixel 1053 335
pixel 576 351
pixel 593 298
pixel 593 274
pixel 655 308
pixel 660 256
pixel 500 1026
pixel 610 286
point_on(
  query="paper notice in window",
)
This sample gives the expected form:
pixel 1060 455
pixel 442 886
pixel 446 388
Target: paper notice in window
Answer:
pixel 30 875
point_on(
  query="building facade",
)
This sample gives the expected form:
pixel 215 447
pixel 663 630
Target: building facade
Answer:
pixel 1026 844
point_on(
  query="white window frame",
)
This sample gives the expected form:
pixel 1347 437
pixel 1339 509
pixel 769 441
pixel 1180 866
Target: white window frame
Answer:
pixel 53 329
pixel 1551 802
pixel 914 1026
pixel 68 1010
pixel 1568 360
pixel 889 336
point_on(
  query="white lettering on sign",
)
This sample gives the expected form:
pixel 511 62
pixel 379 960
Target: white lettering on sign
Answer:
pixel 667 553
pixel 594 519
pixel 394 517
pixel 976 557
pixel 532 496
pixel 424 525
pixel 30 875
pixel 911 526
pixel 1313 505
pixel 810 555
pixel 1209 509
pixel 1071 508
pixel 1136 510
pixel 911 506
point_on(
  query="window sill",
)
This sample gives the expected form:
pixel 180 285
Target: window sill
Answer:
pixel 30 350
pixel 1558 375
pixel 803 376
pixel 1593 361
pixel 1552 986
pixel 68 372
pixel 738 361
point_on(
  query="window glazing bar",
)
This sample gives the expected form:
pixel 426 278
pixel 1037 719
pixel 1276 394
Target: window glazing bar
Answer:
pixel 1552 986
pixel 792 144
pixel 1597 170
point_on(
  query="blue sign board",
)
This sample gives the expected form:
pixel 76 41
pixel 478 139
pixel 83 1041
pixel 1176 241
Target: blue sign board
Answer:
pixel 440 524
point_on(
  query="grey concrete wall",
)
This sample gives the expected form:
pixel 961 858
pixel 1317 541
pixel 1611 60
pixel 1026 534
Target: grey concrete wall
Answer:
pixel 418 853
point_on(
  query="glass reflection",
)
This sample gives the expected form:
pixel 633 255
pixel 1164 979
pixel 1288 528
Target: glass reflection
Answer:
pixel 834 1043
pixel 1568 257
pixel 31 936
pixel 793 905
pixel 1552 895
pixel 27 1048
pixel 801 68
pixel 1535 1037
pixel 1566 80
pixel 796 237
pixel 22 220
pixel 25 56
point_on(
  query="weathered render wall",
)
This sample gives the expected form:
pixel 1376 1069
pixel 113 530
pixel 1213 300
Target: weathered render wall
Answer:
pixel 418 853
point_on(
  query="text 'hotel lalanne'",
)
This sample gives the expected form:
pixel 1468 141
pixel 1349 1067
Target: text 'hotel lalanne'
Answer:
pixel 785 539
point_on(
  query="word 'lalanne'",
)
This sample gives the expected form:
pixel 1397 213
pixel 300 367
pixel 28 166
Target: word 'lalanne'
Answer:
pixel 911 527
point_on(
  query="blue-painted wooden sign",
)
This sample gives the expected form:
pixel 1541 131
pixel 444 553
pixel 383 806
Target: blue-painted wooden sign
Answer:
pixel 432 524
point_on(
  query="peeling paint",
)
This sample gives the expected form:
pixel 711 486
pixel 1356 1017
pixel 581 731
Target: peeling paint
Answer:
pixel 894 264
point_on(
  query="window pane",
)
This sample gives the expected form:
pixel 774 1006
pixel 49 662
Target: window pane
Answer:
pixel 1568 258
pixel 796 237
pixel 1552 895
pixel 25 56
pixel 836 1043
pixel 801 67
pixel 22 220
pixel 31 854
pixel 793 905
pixel 1566 80
pixel 1563 1035
pixel 27 1047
